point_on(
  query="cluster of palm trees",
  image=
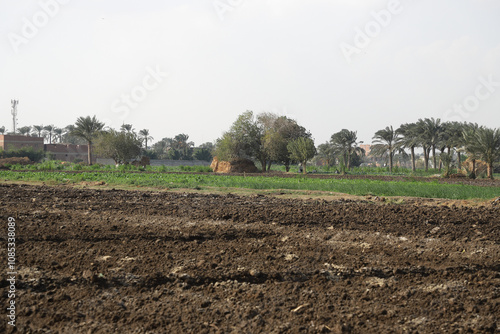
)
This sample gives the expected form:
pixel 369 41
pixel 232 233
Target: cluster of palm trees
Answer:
pixel 52 133
pixel 85 130
pixel 432 135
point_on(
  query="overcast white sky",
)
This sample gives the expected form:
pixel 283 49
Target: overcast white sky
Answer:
pixel 224 57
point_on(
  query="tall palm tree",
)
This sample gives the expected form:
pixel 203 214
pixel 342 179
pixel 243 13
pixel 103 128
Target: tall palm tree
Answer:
pixel 469 141
pixel 25 130
pixel 58 133
pixel 408 138
pixel 50 131
pixel 485 143
pixel 345 143
pixel 37 129
pixel 431 135
pixel 385 142
pixel 181 144
pixel 88 128
pixel 144 134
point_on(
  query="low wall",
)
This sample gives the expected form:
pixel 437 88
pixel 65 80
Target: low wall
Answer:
pixel 172 163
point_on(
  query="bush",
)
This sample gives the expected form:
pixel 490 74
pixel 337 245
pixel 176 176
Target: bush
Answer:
pixel 29 152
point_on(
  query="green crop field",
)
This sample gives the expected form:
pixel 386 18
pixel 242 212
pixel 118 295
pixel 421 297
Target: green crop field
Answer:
pixel 410 187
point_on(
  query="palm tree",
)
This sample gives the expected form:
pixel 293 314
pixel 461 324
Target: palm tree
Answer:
pixel 25 130
pixel 431 129
pixel 469 141
pixel 345 143
pixel 485 143
pixel 144 133
pixel 385 142
pixel 127 128
pixel 58 133
pixel 50 131
pixel 408 139
pixel 181 144
pixel 37 129
pixel 2 130
pixel 87 128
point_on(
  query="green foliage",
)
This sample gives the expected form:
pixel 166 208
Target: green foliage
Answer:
pixel 28 152
pixel 119 146
pixel 302 149
pixel 345 144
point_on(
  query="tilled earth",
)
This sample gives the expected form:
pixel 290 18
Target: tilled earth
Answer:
pixel 106 261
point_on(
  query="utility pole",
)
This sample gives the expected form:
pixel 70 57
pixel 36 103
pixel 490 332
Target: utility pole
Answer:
pixel 14 114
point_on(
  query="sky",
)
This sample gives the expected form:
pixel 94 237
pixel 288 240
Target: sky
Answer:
pixel 192 66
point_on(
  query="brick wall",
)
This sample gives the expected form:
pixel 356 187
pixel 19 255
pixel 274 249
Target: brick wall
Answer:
pixel 67 152
pixel 15 142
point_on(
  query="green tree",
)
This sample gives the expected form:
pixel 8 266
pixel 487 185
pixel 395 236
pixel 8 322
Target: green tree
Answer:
pixel 276 137
pixel 243 140
pixel 302 149
pixel 345 144
pixel 88 128
pixel 485 143
pixel 326 153
pixel 25 130
pixel 408 137
pixel 145 136
pixel 120 146
pixel 50 131
pixel 58 133
pixel 182 144
pixel 430 130
pixel 2 130
pixel 470 145
pixel 37 129
pixel 204 152
pixel 385 143
pixel 127 128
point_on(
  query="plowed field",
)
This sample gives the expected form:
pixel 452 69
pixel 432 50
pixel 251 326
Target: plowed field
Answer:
pixel 113 261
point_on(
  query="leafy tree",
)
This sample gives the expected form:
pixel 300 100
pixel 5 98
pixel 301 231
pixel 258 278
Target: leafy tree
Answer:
pixel 279 132
pixel 145 136
pixel 302 149
pixel 2 130
pixel 88 128
pixel 345 143
pixel 120 146
pixel 204 152
pixel 385 143
pixel 243 140
pixel 485 143
pixel 25 130
pixel 183 146
pixel 327 153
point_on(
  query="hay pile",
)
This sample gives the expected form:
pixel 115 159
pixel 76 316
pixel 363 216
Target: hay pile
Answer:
pixel 4 163
pixel 233 166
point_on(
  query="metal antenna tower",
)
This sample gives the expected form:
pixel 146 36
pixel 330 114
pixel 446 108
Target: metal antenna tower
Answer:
pixel 14 114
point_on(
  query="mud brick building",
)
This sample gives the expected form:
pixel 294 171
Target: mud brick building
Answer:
pixel 63 152
pixel 16 142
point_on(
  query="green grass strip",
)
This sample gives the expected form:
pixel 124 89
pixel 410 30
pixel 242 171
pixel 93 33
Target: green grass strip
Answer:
pixel 360 187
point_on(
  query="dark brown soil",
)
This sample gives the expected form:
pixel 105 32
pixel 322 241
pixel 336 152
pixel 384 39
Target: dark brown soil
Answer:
pixel 109 261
